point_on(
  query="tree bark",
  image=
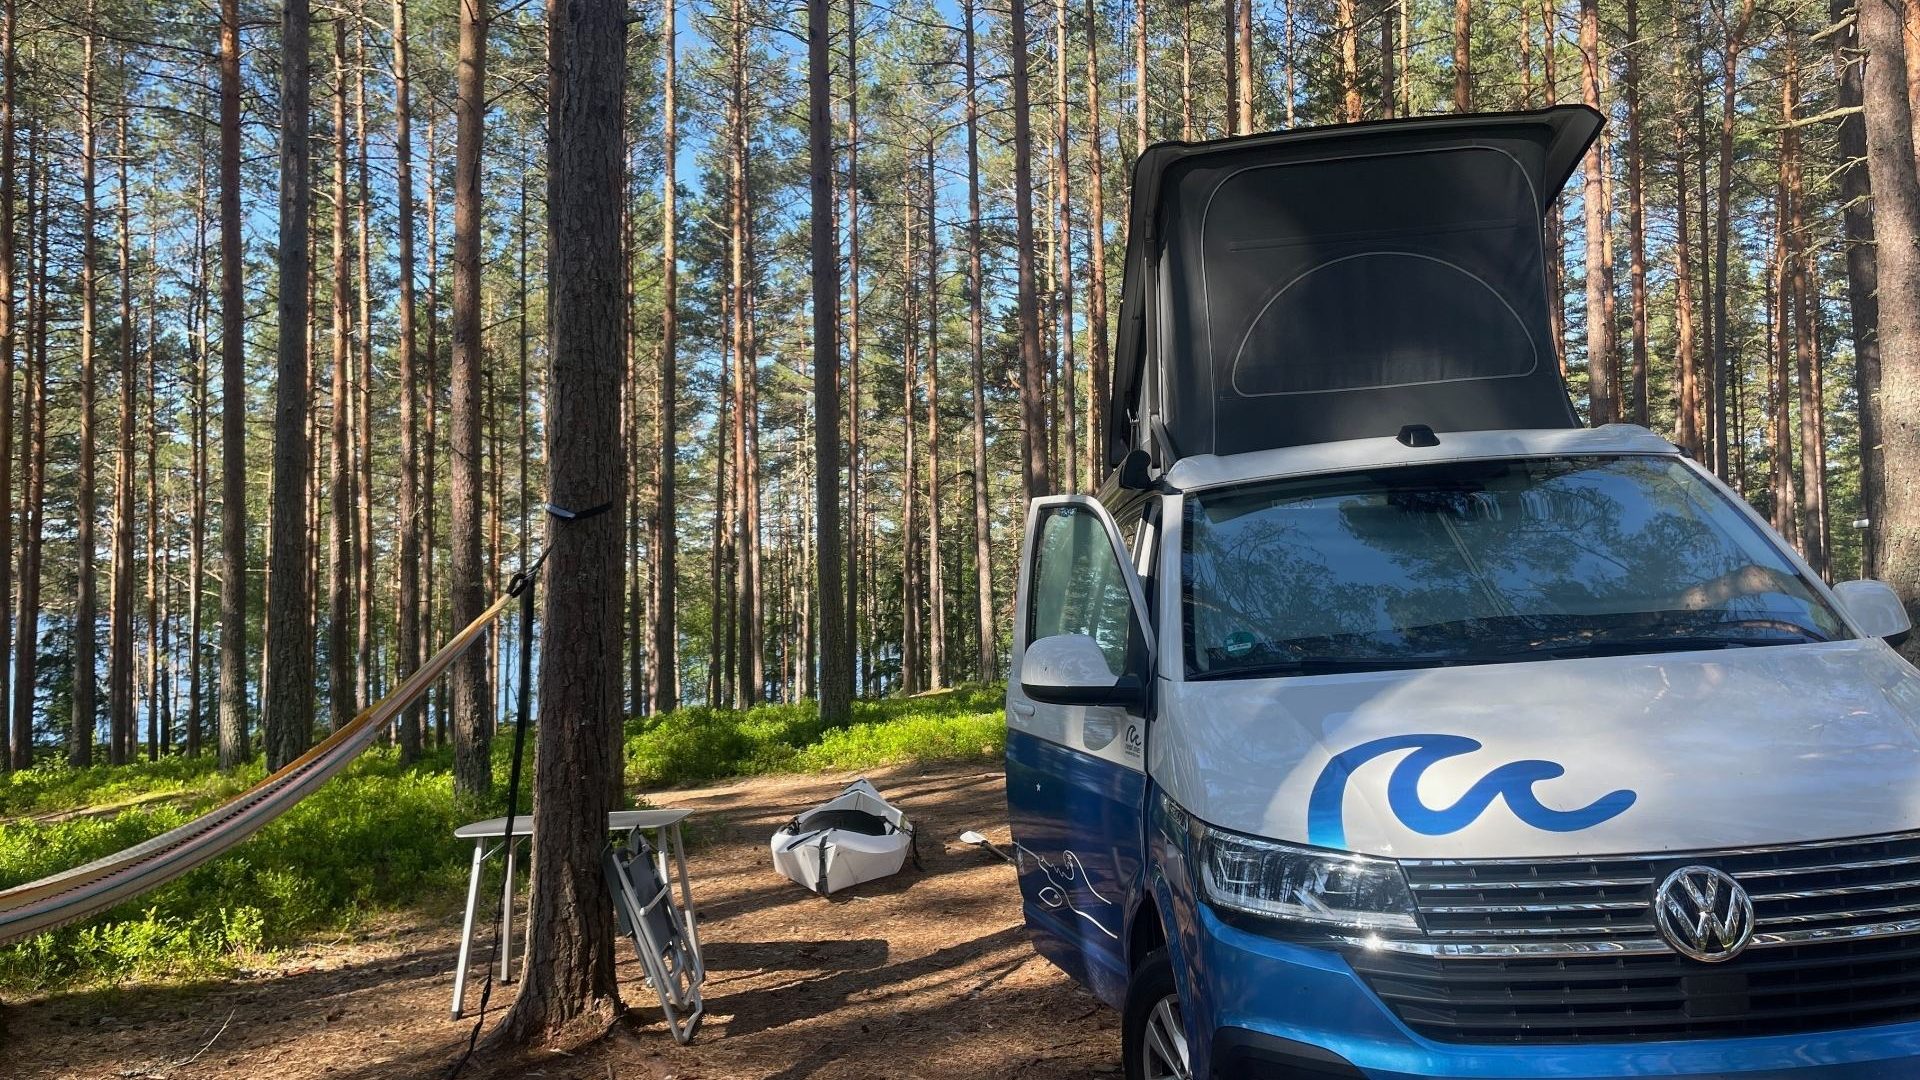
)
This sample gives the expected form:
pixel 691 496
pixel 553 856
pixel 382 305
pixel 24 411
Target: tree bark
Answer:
pixel 471 702
pixel 936 579
pixel 9 759
pixel 33 461
pixel 1463 55
pixel 1033 400
pixel 1243 44
pixel 1863 303
pixel 233 407
pixel 1896 203
pixel 986 638
pixel 1602 396
pixel 836 653
pixel 1721 379
pixel 1347 26
pixel 570 971
pixel 1140 101
pixel 362 395
pixel 1636 217
pixel 85 613
pixel 1097 357
pixel 340 525
pixel 1688 417
pixel 407 648
pixel 122 739
pixel 663 643
pixel 197 504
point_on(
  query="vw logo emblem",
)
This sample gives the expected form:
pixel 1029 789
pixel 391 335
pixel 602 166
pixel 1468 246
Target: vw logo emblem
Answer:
pixel 1703 913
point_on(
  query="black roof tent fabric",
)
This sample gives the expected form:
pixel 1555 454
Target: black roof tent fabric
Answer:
pixel 1340 283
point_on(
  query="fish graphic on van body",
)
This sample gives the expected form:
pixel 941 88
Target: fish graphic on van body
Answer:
pixel 1515 781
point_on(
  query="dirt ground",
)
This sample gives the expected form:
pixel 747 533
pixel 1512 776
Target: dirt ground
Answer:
pixel 927 974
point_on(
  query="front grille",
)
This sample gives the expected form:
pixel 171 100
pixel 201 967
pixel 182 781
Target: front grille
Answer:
pixel 1566 950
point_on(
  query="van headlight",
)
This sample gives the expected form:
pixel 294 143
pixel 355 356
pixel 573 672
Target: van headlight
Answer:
pixel 1326 888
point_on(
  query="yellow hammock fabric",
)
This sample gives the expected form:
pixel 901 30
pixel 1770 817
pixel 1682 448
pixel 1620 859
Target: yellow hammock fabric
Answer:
pixel 86 890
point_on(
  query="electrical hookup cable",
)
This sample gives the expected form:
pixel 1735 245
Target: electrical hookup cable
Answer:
pixel 520 586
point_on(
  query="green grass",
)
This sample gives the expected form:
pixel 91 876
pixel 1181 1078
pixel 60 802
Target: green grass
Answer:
pixel 700 744
pixel 380 837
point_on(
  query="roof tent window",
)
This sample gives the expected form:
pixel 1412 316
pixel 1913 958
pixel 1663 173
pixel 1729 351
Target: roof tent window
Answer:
pixel 1342 283
pixel 1310 294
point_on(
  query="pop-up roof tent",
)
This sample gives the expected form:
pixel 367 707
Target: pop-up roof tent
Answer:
pixel 1343 282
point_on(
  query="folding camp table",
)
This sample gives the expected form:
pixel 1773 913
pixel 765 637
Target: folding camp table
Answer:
pixel 668 940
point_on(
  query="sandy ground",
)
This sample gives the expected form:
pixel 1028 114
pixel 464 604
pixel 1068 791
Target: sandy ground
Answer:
pixel 928 974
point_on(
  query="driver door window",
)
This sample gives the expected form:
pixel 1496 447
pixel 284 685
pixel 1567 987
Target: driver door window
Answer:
pixel 1079 585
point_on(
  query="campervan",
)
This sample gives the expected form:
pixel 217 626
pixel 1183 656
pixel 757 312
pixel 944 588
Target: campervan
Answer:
pixel 1379 719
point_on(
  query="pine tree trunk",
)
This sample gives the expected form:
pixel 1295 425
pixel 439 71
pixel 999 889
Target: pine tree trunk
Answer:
pixel 7 759
pixel 663 642
pixel 830 623
pixel 1779 360
pixel 1069 464
pixel 233 407
pixel 1097 377
pixel 1863 303
pixel 1799 280
pixel 1140 79
pixel 936 583
pixel 430 471
pixel 1687 419
pixel 1636 218
pixel 1243 45
pixel 1347 26
pixel 1186 72
pixel 570 971
pixel 85 611
pixel 1033 400
pixel 197 502
pixel 1603 400
pixel 985 637
pixel 1896 220
pixel 408 631
pixel 471 703
pixel 1721 380
pixel 912 602
pixel 340 523
pixel 858 597
pixel 363 633
pixel 33 461
pixel 122 739
pixel 1463 55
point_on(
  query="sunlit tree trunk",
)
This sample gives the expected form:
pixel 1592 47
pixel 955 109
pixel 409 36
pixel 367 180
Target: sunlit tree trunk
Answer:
pixel 233 407
pixel 122 737
pixel 9 759
pixel 85 614
pixel 1687 420
pixel 1463 55
pixel 340 522
pixel 408 630
pixel 985 637
pixel 1097 377
pixel 1636 217
pixel 570 971
pixel 33 459
pixel 829 625
pixel 936 584
pixel 1896 220
pixel 1033 399
pixel 1603 400
pixel 663 643
pixel 471 701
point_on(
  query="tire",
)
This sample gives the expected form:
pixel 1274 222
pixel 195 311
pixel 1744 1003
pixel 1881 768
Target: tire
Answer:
pixel 1154 1043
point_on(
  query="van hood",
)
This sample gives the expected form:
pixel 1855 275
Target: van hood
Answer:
pixel 1604 756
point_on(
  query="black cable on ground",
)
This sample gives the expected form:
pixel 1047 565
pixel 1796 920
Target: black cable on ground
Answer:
pixel 522 587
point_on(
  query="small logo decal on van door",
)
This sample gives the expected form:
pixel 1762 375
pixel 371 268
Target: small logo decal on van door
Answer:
pixel 1326 827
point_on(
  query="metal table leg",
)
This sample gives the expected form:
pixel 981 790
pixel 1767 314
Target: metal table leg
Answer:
pixel 466 927
pixel 506 919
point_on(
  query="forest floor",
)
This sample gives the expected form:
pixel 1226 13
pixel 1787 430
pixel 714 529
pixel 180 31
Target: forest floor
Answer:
pixel 927 974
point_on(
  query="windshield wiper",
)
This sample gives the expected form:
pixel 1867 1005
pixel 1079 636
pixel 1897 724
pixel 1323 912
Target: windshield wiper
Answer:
pixel 1326 665
pixel 1571 650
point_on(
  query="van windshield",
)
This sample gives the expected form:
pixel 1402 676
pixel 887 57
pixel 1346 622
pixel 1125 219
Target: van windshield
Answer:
pixel 1481 562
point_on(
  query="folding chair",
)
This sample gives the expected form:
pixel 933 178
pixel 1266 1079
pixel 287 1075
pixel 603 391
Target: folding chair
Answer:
pixel 662 930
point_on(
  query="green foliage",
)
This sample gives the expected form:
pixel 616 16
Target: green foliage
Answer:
pixel 380 837
pixel 698 744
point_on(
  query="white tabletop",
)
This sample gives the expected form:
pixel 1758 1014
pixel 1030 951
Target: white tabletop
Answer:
pixel 617 821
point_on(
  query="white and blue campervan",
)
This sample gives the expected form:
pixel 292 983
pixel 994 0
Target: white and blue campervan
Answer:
pixel 1380 720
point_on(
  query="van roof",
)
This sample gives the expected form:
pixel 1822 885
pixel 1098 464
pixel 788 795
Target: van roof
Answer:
pixel 1209 470
pixel 1335 283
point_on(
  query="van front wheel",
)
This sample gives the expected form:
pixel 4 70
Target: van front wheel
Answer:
pixel 1152 1026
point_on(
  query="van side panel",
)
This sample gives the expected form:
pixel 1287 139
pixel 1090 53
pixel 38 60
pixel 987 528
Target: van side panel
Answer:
pixel 1076 824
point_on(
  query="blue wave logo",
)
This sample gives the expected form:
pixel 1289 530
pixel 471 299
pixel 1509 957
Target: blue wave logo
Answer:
pixel 1325 827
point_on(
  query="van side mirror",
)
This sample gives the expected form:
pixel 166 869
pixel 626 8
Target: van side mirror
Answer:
pixel 1070 669
pixel 1876 609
